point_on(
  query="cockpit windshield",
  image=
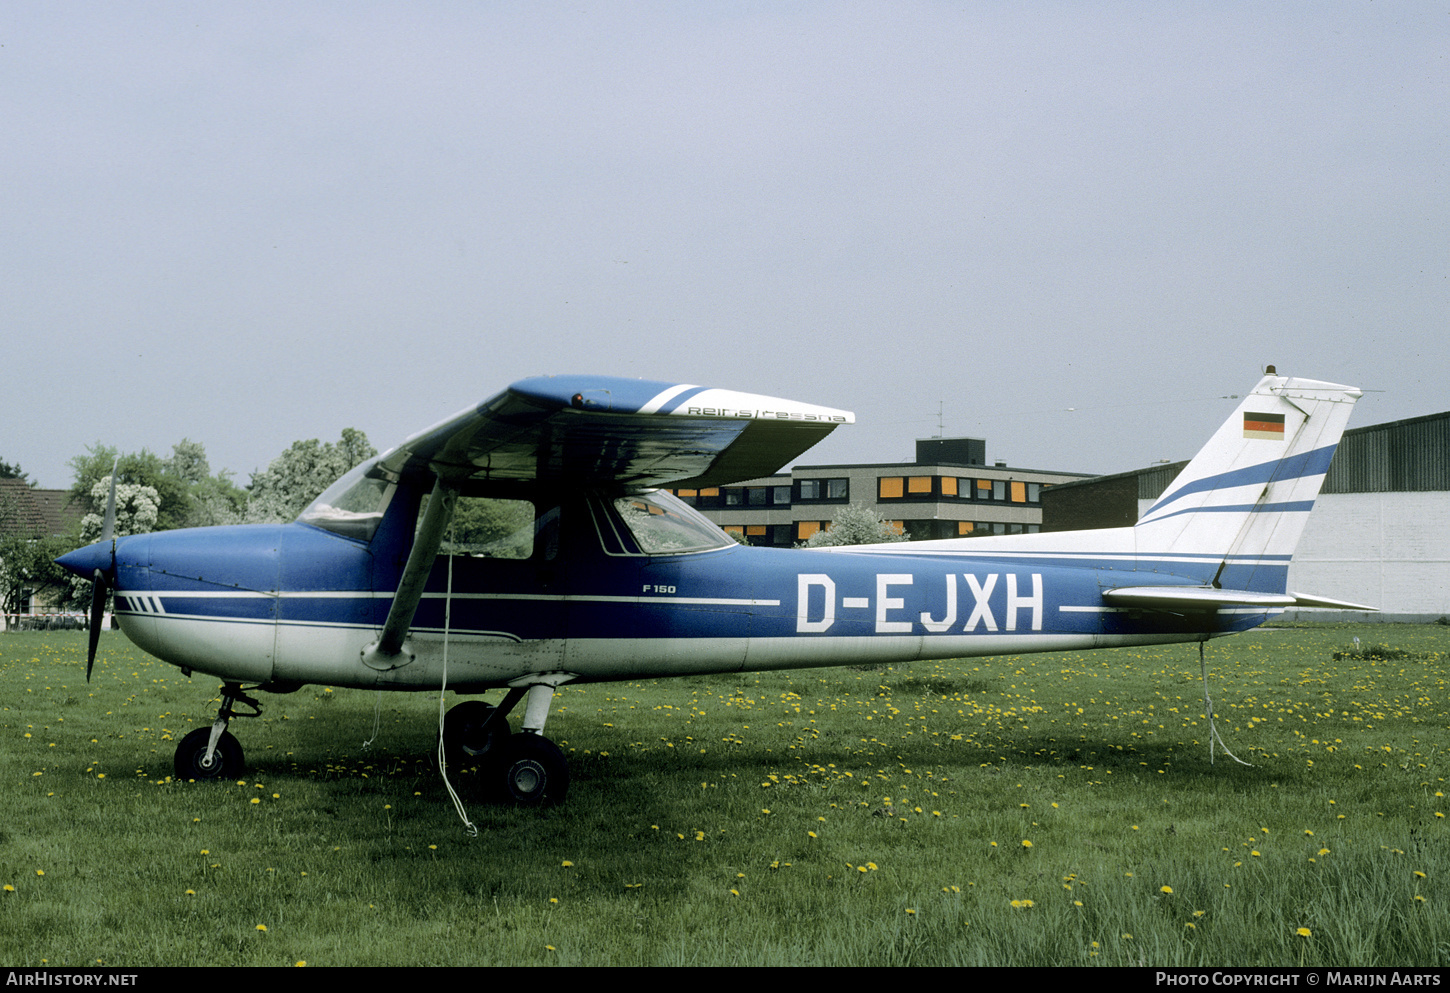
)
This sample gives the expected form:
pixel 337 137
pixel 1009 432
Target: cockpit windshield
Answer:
pixel 354 505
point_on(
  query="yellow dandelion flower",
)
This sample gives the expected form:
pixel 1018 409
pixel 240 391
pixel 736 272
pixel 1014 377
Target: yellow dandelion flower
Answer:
pixel 1304 932
pixel 9 888
pixel 1026 843
pixel 261 927
pixel 566 864
pixel 1166 889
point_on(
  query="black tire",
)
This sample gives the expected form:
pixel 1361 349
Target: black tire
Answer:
pixel 534 771
pixel 226 761
pixel 465 741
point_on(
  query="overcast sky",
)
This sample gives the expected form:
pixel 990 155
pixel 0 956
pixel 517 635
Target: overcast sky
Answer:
pixel 253 223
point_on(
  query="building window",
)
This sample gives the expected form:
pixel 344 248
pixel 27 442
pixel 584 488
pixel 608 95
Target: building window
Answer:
pixel 780 496
pixel 906 488
pixel 964 529
pixel 1019 492
pixel 804 529
pixel 824 489
pixel 949 486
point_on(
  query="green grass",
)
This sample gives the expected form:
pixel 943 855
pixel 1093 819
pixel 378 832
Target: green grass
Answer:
pixel 831 816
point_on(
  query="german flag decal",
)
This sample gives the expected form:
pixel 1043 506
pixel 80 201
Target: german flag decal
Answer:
pixel 1270 427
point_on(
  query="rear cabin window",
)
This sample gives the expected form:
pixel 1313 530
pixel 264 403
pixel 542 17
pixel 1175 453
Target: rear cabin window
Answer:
pixel 662 524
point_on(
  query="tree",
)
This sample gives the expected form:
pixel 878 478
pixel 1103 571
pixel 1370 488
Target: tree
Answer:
pixel 27 565
pixel 295 478
pixel 855 524
pixel 8 471
pixel 187 495
pixel 26 554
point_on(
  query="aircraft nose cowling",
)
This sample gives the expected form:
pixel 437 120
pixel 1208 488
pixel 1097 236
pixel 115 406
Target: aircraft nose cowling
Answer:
pixel 85 561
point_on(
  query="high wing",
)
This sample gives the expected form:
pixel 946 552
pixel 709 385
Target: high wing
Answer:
pixel 627 431
pixel 593 429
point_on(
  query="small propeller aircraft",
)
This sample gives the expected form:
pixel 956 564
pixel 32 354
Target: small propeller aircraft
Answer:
pixel 527 542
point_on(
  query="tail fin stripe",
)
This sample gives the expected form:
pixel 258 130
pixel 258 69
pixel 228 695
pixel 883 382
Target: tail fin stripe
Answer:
pixel 1294 467
pixel 1292 506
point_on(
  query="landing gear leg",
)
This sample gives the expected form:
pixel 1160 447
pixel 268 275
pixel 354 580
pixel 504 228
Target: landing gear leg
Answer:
pixel 214 752
pixel 534 770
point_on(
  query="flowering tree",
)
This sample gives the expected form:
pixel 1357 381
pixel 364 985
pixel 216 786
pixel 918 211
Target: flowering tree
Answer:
pixel 855 524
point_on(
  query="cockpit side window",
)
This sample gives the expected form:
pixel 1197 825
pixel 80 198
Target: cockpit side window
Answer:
pixel 498 528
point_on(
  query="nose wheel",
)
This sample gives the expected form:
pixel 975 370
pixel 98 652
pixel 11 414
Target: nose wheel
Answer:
pixel 214 752
pixel 197 758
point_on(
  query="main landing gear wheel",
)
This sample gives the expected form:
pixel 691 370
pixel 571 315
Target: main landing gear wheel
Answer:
pixel 468 736
pixel 535 771
pixel 226 759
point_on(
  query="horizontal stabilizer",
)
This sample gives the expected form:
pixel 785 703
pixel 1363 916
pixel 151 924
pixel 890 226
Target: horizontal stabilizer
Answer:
pixel 1208 598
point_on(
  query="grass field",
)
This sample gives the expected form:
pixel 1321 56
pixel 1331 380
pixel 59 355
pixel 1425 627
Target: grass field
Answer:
pixel 1055 809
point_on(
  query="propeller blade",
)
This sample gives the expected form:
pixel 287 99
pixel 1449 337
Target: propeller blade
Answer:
pixel 108 526
pixel 101 580
pixel 100 587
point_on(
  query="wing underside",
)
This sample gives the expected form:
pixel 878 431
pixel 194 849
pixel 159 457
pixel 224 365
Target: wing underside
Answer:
pixel 630 432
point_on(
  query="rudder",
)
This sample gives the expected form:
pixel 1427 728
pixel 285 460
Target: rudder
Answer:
pixel 1233 516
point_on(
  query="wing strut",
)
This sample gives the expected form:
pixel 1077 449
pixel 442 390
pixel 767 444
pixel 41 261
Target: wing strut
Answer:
pixel 390 651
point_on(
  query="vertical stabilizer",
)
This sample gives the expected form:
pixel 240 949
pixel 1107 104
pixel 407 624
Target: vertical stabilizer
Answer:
pixel 1232 517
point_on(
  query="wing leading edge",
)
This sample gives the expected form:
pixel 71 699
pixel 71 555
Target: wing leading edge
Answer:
pixel 629 431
